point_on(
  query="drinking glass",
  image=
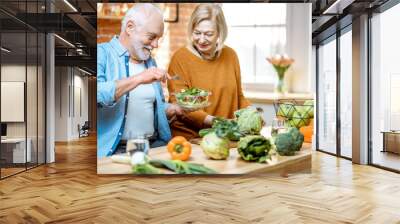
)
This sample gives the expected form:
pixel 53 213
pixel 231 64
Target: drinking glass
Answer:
pixel 137 143
pixel 278 125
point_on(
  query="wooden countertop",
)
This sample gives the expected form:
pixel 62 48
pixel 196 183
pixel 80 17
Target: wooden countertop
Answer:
pixel 270 97
pixel 301 162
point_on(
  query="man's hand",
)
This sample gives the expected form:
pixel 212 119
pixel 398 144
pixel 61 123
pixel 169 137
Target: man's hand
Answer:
pixel 146 77
pixel 152 74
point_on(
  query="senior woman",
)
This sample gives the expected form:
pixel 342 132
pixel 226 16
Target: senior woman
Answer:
pixel 208 64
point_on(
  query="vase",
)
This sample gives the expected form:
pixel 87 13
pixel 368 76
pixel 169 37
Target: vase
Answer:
pixel 280 83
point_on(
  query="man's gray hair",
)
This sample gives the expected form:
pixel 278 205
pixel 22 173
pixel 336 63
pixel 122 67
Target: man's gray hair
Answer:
pixel 139 13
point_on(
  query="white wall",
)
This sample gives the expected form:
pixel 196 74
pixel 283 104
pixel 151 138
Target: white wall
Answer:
pixel 16 73
pixel 12 101
pixel 68 83
pixel 61 103
pixel 299 39
pixel 80 83
pixel 268 112
pixel 313 69
pixel 50 96
pixel 34 124
pixel 13 73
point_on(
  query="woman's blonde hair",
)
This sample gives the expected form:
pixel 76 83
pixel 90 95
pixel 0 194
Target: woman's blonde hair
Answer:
pixel 212 12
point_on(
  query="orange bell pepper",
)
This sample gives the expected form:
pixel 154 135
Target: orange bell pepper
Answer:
pixel 307 131
pixel 179 148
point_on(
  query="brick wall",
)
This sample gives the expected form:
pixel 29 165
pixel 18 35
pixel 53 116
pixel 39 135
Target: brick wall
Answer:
pixel 107 28
pixel 178 31
pixel 175 35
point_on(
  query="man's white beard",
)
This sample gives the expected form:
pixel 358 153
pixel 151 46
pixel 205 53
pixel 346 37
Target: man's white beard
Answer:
pixel 141 54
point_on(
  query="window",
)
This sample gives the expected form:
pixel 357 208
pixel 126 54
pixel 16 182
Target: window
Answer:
pixel 346 94
pixel 22 67
pixel 385 89
pixel 327 97
pixel 333 138
pixel 258 32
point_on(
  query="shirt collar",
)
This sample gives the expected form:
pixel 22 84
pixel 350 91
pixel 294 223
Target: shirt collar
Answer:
pixel 121 50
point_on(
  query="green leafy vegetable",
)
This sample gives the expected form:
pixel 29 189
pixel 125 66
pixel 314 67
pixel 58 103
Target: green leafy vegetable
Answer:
pixel 192 97
pixel 239 112
pixel 181 167
pixel 249 121
pixel 215 147
pixel 145 168
pixel 254 148
pixel 224 128
pixel 288 143
pixel 297 137
pixel 204 132
pixel 284 145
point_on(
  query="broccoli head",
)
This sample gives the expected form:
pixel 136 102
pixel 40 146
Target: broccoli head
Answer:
pixel 298 138
pixel 289 142
pixel 284 144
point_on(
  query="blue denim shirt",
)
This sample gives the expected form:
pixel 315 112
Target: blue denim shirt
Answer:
pixel 112 60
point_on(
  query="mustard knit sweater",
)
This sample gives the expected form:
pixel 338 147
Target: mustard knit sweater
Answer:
pixel 220 76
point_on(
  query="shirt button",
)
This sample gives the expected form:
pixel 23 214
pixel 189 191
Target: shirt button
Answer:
pixel 120 133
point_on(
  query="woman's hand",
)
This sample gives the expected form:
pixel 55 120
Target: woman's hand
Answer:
pixel 173 111
pixel 209 120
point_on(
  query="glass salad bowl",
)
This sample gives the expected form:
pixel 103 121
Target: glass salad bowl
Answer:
pixel 193 98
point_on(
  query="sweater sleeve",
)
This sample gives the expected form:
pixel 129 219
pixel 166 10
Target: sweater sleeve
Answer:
pixel 176 68
pixel 243 102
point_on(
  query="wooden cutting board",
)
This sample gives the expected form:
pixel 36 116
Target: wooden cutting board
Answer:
pixel 197 141
pixel 301 162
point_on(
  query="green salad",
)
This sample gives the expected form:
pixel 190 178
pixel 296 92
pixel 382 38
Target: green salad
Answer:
pixel 192 97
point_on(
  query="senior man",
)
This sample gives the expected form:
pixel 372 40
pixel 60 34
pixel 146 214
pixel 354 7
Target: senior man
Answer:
pixel 129 96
